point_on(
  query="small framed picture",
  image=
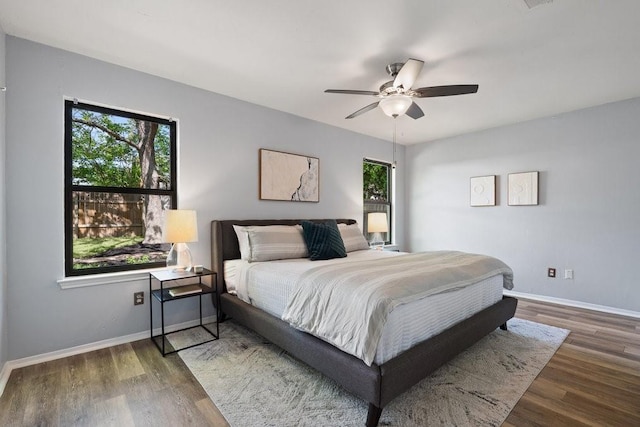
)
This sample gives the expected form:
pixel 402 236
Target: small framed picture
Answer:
pixel 523 189
pixel 483 190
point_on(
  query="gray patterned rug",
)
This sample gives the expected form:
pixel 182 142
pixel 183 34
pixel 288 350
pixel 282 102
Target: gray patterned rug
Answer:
pixel 254 383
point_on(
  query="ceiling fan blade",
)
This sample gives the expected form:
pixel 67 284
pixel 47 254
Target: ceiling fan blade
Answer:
pixel 363 110
pixel 408 74
pixel 428 92
pixel 352 92
pixel 415 112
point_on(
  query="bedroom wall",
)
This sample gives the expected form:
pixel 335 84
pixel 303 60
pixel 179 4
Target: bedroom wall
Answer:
pixel 3 205
pixel 587 219
pixel 219 138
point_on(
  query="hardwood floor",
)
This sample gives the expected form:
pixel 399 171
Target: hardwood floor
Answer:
pixel 593 380
pixel 594 377
pixel 126 385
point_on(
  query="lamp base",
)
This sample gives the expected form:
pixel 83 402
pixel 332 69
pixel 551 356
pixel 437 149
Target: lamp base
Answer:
pixel 179 257
pixel 376 241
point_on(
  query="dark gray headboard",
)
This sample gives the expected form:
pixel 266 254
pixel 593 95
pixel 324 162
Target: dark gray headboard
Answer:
pixel 224 243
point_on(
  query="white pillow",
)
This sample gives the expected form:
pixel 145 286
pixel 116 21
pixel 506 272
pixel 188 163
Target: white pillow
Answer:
pixel 352 237
pixel 232 269
pixel 243 241
pixel 271 242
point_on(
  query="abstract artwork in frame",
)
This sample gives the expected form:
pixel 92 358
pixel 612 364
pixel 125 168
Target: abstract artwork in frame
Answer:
pixel 291 177
pixel 523 189
pixel 483 190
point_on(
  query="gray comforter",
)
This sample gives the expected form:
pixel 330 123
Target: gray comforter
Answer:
pixel 347 304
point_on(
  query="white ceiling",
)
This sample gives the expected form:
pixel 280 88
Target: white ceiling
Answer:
pixel 282 54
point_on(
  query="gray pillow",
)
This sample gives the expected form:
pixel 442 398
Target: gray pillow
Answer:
pixel 272 242
pixel 352 237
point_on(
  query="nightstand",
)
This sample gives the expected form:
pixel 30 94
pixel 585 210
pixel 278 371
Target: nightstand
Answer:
pixel 168 285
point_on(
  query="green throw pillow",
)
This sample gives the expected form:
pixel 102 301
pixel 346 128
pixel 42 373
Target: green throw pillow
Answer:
pixel 323 240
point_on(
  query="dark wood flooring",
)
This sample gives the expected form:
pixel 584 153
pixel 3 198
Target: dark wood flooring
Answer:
pixel 593 380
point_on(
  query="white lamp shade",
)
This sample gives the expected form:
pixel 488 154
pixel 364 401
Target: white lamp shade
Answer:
pixel 377 222
pixel 395 105
pixel 180 226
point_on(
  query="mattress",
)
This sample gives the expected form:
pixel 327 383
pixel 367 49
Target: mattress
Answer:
pixel 268 285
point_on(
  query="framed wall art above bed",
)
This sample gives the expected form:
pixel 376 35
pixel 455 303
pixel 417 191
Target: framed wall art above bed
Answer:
pixel 289 177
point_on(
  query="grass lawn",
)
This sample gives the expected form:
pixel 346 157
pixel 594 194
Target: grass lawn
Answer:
pixel 88 247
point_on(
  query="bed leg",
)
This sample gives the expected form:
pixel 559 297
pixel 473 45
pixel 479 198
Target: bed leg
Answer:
pixel 504 326
pixel 373 416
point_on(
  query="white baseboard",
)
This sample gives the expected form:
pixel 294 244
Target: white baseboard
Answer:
pixel 4 376
pixel 59 354
pixel 577 304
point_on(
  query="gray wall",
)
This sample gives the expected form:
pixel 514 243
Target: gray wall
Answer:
pixel 219 138
pixel 3 259
pixel 589 208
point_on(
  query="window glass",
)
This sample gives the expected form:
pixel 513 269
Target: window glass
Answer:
pixel 376 178
pixel 119 179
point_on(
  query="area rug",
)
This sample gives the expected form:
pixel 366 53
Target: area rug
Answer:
pixel 254 383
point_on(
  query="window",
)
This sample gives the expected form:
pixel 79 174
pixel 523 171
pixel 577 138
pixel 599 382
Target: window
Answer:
pixel 120 175
pixel 376 178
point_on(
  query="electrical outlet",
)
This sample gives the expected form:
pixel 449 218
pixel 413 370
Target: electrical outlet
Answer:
pixel 568 274
pixel 551 272
pixel 138 298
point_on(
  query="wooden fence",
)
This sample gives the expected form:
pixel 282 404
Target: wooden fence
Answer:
pixel 107 215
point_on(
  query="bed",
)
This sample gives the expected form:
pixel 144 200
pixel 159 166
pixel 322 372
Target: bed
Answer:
pixel 376 382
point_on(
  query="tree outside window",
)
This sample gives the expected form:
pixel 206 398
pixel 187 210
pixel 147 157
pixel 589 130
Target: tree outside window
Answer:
pixel 120 170
pixel 376 179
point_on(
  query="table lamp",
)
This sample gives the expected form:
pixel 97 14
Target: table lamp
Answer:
pixel 377 224
pixel 180 228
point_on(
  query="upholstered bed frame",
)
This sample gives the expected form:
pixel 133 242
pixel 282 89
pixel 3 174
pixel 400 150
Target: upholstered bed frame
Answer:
pixel 376 384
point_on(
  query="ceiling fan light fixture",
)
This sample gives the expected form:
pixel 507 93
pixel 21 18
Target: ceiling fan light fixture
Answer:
pixel 395 105
pixel 396 96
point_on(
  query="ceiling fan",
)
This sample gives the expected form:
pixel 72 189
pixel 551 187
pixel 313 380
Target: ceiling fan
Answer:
pixel 396 96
